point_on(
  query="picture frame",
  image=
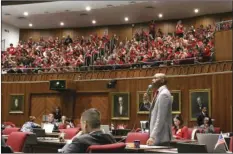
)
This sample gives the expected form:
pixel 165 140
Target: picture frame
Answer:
pixel 176 101
pixel 16 105
pixel 197 99
pixel 120 112
pixel 143 108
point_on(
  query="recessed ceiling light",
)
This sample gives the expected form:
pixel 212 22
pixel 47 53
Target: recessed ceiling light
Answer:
pixel 30 25
pixel 160 15
pixel 62 23
pixel 196 10
pixel 88 8
pixel 93 21
pixel 126 19
pixel 25 13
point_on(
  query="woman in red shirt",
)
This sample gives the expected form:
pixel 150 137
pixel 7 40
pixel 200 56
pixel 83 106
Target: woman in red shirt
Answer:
pixel 178 130
pixel 179 29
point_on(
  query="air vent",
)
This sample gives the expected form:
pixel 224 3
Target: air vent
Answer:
pixel 7 14
pixel 149 7
pixel 109 5
pixel 21 18
pixel 83 14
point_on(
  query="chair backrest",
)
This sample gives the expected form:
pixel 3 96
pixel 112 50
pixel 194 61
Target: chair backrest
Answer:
pixel 217 130
pixel 8 131
pixel 70 132
pixel 190 130
pixel 16 141
pixel 8 123
pixel 107 148
pixel 132 136
pixel 192 133
pixel 6 149
pixel 231 144
pixel 138 130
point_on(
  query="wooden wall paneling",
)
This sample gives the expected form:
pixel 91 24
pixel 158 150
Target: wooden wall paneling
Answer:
pixel 92 100
pixel 38 107
pixel 122 30
pixel 90 92
pixel 223 45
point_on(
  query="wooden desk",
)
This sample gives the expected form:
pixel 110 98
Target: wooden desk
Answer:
pixel 120 138
pixel 170 150
pixel 54 134
pixel 47 146
pixel 158 149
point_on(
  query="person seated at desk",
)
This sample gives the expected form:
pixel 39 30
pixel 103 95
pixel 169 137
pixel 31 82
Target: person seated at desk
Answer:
pixel 65 123
pixel 51 120
pixel 178 130
pixel 207 127
pixel 28 126
pixel 91 134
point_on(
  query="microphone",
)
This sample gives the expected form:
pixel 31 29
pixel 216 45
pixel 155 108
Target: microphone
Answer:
pixel 148 89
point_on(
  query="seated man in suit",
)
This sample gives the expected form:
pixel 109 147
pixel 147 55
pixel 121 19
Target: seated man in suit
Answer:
pixel 91 134
pixel 51 120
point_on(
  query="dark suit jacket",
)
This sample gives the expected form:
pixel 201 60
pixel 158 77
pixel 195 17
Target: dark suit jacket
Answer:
pixel 14 108
pixel 144 107
pixel 200 118
pixel 124 111
pixel 81 143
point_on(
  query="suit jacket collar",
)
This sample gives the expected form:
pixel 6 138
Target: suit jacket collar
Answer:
pixel 161 88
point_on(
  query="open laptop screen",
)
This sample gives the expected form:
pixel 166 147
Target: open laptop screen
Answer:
pixel 210 141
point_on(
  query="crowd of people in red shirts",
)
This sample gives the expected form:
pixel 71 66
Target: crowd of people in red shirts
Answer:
pixel 149 48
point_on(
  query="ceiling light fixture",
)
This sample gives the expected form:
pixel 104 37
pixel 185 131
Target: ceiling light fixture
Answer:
pixel 196 10
pixel 160 15
pixel 25 13
pixel 30 25
pixel 126 19
pixel 93 21
pixel 88 8
pixel 62 23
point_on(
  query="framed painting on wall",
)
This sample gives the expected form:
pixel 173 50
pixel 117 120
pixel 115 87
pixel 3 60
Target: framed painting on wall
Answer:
pixel 16 104
pixel 120 106
pixel 176 101
pixel 197 99
pixel 143 102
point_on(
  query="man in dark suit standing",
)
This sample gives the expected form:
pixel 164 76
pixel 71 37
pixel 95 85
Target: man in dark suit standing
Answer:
pixel 121 109
pixel 91 134
pixel 202 115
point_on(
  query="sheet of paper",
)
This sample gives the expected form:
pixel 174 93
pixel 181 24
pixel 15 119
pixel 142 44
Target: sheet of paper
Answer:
pixel 153 147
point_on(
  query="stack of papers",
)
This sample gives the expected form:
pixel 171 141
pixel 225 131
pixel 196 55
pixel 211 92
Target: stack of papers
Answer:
pixel 153 147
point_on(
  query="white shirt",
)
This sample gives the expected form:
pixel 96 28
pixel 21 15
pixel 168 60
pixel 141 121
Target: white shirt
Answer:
pixel 121 109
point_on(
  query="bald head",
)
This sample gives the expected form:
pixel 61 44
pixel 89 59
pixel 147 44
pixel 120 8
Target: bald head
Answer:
pixel 159 80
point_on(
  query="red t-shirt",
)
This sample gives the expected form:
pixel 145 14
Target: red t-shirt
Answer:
pixel 179 29
pixel 11 50
pixel 180 133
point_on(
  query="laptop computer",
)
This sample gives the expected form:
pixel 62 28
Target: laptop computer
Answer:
pixel 191 148
pixel 105 129
pixel 39 132
pixel 210 141
pixel 48 128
